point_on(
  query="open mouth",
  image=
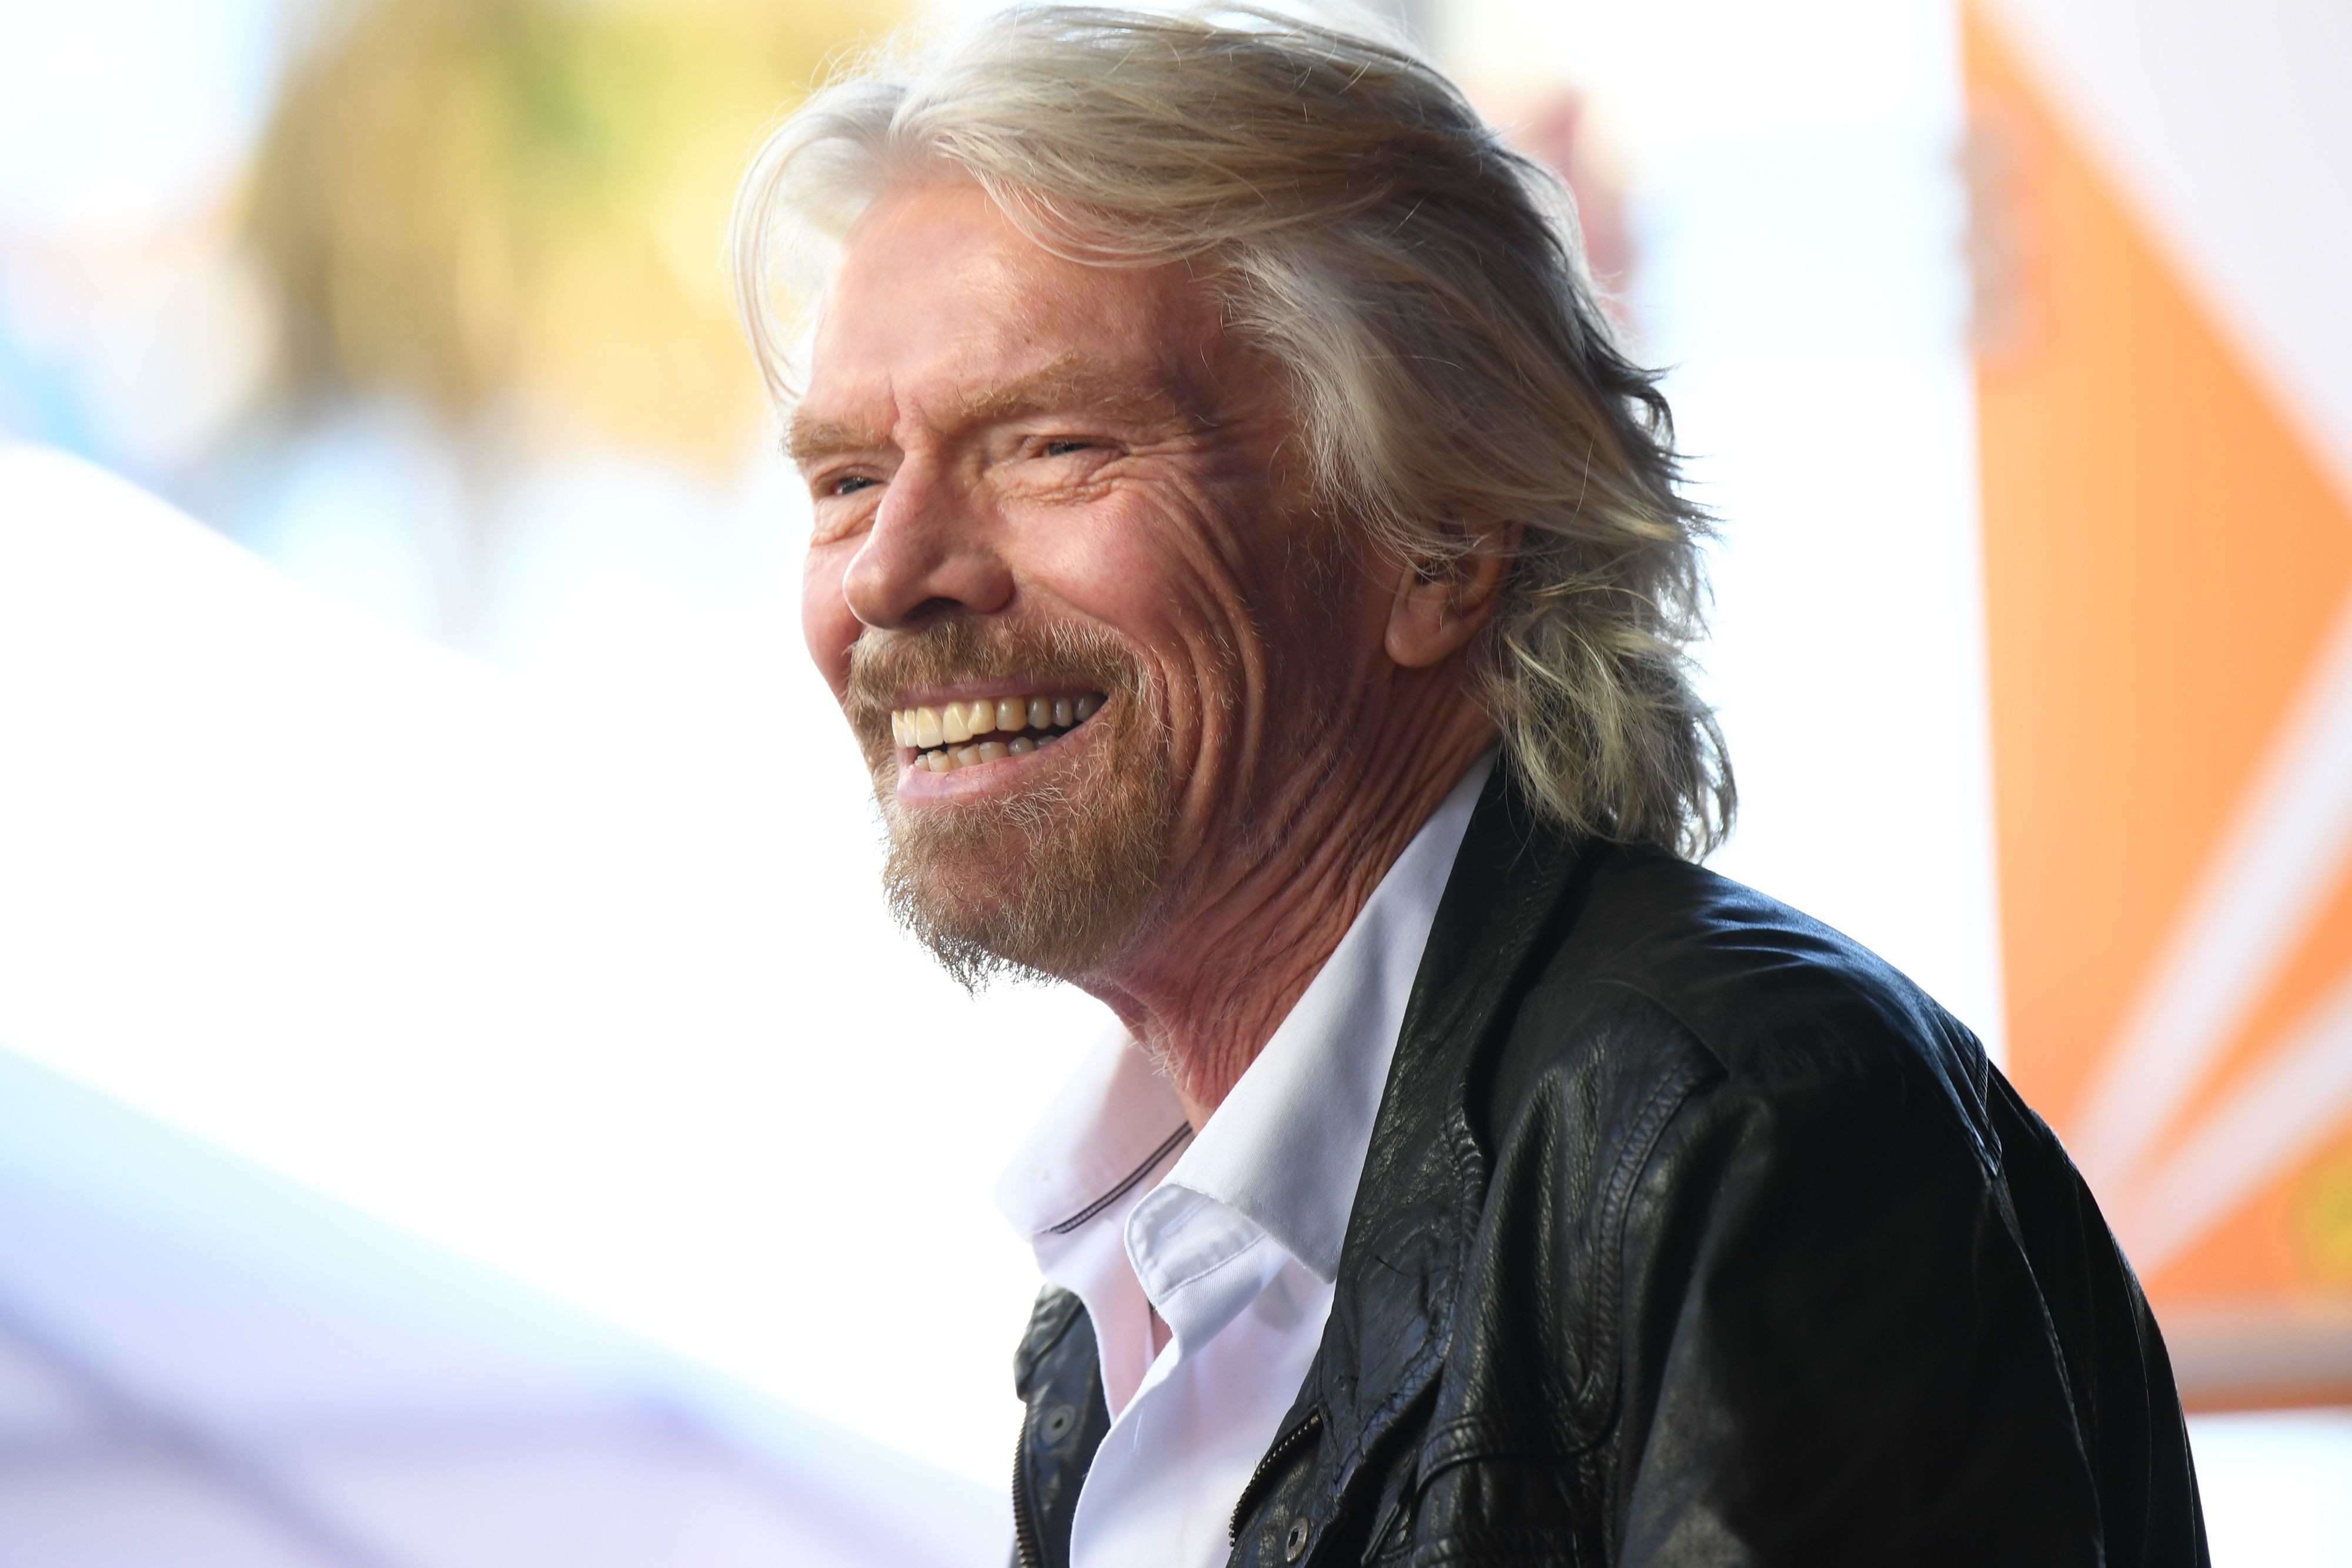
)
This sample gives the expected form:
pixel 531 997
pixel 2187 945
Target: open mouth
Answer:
pixel 988 729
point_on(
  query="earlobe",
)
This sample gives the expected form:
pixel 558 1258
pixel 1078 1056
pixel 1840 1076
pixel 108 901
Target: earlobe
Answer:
pixel 1440 607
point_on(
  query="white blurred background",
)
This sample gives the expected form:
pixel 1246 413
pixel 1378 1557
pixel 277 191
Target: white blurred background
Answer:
pixel 433 879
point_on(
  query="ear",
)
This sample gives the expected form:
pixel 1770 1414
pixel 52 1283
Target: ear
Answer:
pixel 1438 608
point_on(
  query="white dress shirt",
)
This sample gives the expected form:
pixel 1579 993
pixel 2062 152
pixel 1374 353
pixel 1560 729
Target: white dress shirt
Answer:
pixel 1237 1244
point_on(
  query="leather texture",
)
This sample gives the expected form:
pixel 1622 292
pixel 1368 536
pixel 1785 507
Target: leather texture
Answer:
pixel 1691 1233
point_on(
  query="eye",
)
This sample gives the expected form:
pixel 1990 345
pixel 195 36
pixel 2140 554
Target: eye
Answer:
pixel 850 484
pixel 1063 445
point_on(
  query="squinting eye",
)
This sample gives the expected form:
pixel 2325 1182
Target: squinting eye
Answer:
pixel 1065 447
pixel 852 484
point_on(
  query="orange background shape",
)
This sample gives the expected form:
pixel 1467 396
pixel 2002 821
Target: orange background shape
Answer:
pixel 2162 560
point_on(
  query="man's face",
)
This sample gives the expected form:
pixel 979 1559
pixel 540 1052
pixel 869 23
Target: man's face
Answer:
pixel 1067 582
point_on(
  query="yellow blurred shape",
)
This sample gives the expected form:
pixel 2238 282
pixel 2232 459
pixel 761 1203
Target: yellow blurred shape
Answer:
pixel 2323 1231
pixel 479 202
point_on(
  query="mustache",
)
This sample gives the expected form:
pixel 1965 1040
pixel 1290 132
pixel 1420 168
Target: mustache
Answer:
pixel 957 648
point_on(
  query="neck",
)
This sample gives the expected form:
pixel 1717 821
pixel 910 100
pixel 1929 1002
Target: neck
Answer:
pixel 1215 980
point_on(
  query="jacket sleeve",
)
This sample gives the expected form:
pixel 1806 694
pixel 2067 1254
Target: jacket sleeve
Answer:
pixel 1833 1346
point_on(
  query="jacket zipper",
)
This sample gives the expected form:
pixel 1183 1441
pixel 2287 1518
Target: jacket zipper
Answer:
pixel 1024 1528
pixel 1284 1446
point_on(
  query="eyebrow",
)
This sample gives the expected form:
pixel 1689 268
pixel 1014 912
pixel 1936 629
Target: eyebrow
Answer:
pixel 1074 382
pixel 1079 384
pixel 807 439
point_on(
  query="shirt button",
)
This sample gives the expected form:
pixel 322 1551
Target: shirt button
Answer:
pixel 1293 1540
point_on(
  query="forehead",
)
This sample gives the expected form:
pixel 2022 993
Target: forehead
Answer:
pixel 939 306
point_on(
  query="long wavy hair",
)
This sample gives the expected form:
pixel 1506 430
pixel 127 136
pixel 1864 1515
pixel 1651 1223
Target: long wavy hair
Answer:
pixel 1423 284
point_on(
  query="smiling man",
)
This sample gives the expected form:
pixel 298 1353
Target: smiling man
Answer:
pixel 1259 586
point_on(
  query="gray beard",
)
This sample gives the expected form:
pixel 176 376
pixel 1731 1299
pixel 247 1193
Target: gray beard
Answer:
pixel 1052 882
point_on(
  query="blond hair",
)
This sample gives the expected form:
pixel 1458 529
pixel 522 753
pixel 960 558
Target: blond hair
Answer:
pixel 1423 284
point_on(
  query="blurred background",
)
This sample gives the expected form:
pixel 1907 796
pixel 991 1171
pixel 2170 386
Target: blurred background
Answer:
pixel 461 1103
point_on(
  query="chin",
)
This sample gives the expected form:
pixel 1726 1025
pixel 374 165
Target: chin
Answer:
pixel 1055 887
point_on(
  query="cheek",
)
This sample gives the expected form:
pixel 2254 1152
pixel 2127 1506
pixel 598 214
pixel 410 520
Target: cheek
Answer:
pixel 1176 619
pixel 826 624
pixel 1146 597
pixel 1182 585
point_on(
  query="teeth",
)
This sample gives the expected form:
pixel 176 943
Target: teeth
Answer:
pixel 947 736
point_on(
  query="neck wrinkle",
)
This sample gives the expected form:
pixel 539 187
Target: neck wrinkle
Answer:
pixel 1206 993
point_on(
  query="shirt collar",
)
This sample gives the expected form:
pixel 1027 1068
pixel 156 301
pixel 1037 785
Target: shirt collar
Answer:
pixel 1286 1147
pixel 1112 1127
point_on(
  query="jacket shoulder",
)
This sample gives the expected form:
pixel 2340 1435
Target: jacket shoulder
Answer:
pixel 1660 966
pixel 1766 990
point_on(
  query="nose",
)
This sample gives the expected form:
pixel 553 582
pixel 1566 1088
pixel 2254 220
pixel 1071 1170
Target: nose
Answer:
pixel 928 550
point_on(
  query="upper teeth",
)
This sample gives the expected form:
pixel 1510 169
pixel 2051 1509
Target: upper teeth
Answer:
pixel 935 730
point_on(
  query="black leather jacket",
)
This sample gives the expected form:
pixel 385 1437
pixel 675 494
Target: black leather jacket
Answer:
pixel 1691 1233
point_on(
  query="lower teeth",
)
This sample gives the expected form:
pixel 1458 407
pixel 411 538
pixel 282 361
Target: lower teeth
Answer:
pixel 948 758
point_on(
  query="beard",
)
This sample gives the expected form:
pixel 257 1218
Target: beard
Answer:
pixel 1051 882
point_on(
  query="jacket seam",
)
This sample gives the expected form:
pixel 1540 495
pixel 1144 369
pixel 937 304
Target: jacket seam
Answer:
pixel 1658 1111
pixel 1664 1105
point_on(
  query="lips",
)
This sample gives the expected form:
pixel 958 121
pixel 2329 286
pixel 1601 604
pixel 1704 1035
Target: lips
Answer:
pixel 967 733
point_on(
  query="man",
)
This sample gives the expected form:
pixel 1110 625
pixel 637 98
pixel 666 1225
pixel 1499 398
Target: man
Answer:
pixel 1259 587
